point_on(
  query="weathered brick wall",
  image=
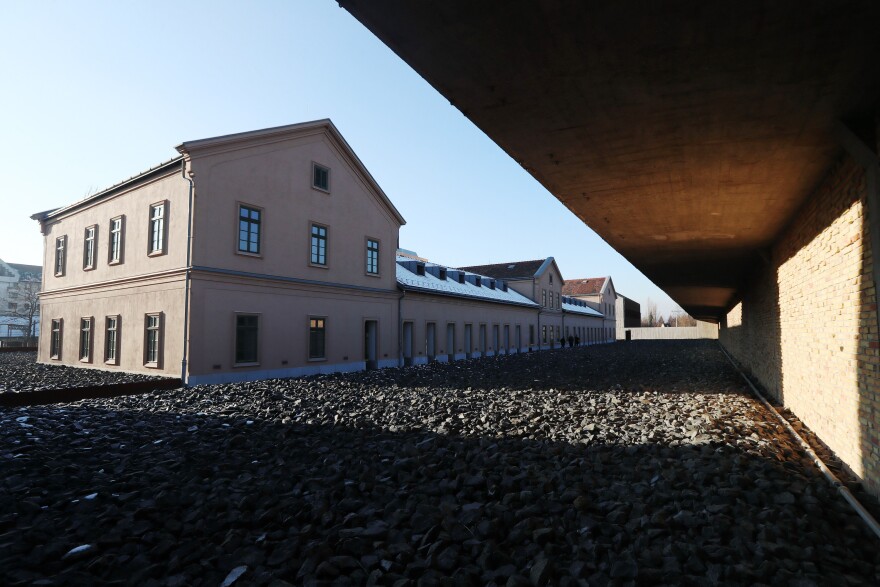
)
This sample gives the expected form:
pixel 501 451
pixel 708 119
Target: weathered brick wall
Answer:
pixel 806 327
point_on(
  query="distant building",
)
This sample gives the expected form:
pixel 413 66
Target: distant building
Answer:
pixel 629 315
pixel 598 293
pixel 19 287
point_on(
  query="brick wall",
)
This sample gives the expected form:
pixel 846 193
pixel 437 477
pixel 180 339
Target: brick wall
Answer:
pixel 806 327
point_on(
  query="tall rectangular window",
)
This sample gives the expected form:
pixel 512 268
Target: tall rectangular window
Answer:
pixel 319 245
pixel 372 256
pixel 116 240
pixel 551 300
pixel 531 334
pixel 85 339
pixel 249 230
pixel 157 228
pixel 544 298
pixel 152 339
pixel 544 333
pixel 55 341
pixel 317 338
pixel 111 339
pixel 247 330
pixel 89 247
pixel 558 303
pixel 320 177
pixel 60 245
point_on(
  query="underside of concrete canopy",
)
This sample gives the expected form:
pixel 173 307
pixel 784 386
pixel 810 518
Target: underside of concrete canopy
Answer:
pixel 686 134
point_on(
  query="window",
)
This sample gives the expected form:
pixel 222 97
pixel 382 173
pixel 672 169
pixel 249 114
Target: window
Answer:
pixel 320 177
pixel 85 339
pixel 60 244
pixel 544 297
pixel 116 240
pixel 157 228
pixel 558 304
pixel 551 279
pixel 89 247
pixel 319 245
pixel 531 334
pixel 551 300
pixel 55 341
pixel 153 340
pixel 247 330
pixel 317 338
pixel 544 333
pixel 111 339
pixel 372 256
pixel 248 230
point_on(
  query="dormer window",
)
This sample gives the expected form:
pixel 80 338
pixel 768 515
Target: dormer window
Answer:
pixel 478 281
pixel 320 177
pixel 420 269
pixel 461 277
pixel 442 274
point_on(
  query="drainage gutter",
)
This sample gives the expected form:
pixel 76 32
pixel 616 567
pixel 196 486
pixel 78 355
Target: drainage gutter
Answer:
pixel 842 489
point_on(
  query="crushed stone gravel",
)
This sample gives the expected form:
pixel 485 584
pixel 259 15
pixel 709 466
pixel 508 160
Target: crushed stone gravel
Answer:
pixel 638 463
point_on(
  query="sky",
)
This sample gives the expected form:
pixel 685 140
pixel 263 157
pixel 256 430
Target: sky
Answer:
pixel 95 92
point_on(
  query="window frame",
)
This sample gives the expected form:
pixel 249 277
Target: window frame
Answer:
pixel 114 360
pixel 543 298
pixel 315 167
pixel 163 236
pixel 86 325
pixel 314 224
pixel 56 344
pixel 160 330
pixel 368 250
pixel 323 331
pixel 258 222
pixel 110 238
pixel 257 351
pixel 90 247
pixel 60 258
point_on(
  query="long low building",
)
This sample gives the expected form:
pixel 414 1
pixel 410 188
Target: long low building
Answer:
pixel 273 253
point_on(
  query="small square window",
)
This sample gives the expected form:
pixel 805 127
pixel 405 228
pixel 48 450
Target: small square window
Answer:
pixel 320 177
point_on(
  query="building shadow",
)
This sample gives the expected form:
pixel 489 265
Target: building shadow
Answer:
pixel 184 497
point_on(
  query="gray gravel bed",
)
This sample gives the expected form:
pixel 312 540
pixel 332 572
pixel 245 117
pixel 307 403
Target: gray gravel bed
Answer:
pixel 20 372
pixel 627 464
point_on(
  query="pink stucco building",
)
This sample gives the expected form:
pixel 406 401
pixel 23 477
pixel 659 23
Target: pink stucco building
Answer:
pixel 270 253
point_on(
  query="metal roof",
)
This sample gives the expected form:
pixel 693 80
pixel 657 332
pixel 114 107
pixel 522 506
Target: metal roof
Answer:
pixel 569 305
pixel 429 283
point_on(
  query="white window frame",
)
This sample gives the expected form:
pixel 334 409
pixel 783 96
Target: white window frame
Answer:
pixel 60 255
pixel 116 240
pixel 90 241
pixel 158 223
pixel 159 327
pixel 86 341
pixel 56 343
pixel 114 359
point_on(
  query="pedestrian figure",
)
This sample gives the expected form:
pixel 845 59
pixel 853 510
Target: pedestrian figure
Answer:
pixel 562 341
pixel 577 341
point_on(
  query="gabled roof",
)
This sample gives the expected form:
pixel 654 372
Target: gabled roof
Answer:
pixel 286 132
pixel 27 270
pixel 579 307
pixel 512 270
pixel 430 283
pixel 588 286
pixel 165 167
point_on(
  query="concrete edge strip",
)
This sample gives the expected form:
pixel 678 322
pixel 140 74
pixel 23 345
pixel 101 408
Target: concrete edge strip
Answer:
pixel 844 491
pixel 13 399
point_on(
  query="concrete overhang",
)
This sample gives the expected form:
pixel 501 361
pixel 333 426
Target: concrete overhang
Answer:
pixel 686 134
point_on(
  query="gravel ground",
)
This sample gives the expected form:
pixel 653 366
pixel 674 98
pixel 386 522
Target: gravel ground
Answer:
pixel 20 372
pixel 641 463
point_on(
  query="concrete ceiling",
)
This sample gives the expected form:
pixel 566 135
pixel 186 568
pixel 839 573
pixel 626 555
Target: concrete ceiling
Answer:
pixel 686 133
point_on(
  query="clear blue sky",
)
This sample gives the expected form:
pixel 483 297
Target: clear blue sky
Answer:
pixel 94 92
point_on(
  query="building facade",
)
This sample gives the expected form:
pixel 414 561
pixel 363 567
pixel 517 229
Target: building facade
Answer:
pixel 272 253
pixel 19 303
pixel 598 293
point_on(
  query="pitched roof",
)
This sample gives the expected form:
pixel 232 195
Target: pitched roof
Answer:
pixel 514 270
pixel 579 307
pixel 583 287
pixel 409 279
pixel 27 270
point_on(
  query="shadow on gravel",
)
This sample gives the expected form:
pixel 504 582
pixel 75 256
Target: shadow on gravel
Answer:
pixel 170 499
